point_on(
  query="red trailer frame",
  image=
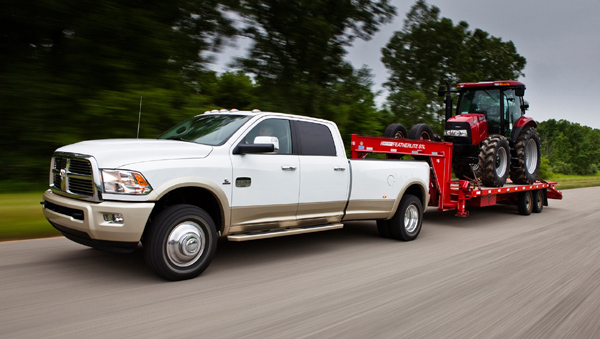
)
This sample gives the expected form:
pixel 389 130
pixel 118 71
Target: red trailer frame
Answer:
pixel 445 193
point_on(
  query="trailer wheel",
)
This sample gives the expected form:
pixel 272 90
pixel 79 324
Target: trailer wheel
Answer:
pixel 527 149
pixel 494 161
pixel 383 227
pixel 181 242
pixel 525 202
pixel 397 131
pixel 538 201
pixel 406 223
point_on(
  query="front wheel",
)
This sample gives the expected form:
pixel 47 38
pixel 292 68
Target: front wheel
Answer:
pixel 181 242
pixel 494 161
pixel 406 223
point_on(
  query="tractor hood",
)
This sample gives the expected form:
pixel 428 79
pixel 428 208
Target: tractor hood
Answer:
pixel 116 153
pixel 470 118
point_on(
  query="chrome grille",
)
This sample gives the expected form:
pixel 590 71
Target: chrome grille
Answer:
pixel 72 175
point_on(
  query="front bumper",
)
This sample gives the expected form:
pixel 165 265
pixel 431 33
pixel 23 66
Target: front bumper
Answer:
pixel 78 219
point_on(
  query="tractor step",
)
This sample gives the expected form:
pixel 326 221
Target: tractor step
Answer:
pixel 282 232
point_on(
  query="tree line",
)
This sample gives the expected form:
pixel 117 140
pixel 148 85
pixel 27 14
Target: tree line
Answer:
pixel 73 70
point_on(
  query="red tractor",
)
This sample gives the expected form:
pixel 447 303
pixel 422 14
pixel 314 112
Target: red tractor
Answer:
pixel 491 137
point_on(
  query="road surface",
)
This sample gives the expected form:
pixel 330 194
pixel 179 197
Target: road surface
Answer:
pixel 496 274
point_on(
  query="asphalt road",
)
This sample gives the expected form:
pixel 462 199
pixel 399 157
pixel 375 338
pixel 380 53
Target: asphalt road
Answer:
pixel 496 274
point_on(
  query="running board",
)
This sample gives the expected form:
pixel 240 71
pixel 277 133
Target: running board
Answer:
pixel 282 232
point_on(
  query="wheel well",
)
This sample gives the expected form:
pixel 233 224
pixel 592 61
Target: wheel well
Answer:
pixel 417 191
pixel 196 196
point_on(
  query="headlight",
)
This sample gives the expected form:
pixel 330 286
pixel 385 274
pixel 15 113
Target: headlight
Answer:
pixel 456 133
pixel 125 182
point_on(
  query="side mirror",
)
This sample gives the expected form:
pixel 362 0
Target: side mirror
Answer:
pixel 520 91
pixel 268 140
pixel 260 145
pixel 442 91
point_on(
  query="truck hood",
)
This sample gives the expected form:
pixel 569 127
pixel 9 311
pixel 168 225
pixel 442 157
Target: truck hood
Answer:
pixel 115 153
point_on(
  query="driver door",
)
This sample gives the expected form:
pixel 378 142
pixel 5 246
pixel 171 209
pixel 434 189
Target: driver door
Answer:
pixel 265 185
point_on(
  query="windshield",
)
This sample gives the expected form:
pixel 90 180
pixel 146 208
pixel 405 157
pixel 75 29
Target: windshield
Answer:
pixel 208 129
pixel 484 101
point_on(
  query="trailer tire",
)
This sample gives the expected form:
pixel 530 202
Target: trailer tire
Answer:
pixel 494 161
pixel 527 151
pixel 181 242
pixel 538 201
pixel 397 131
pixel 406 223
pixel 525 202
pixel 383 227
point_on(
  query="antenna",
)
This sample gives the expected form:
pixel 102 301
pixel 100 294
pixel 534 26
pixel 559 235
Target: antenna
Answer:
pixel 139 119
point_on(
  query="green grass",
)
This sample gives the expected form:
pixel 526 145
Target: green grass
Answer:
pixel 564 181
pixel 21 217
pixel 21 214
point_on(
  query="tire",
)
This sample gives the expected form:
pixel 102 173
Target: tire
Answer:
pixel 181 242
pixel 538 201
pixel 421 132
pixel 397 131
pixel 525 202
pixel 527 151
pixel 406 223
pixel 383 227
pixel 494 161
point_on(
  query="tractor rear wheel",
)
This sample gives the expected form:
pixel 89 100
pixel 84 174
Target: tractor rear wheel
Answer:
pixel 527 150
pixel 494 161
pixel 397 131
pixel 421 132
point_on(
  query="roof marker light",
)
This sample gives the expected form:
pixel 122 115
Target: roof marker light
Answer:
pixel 255 111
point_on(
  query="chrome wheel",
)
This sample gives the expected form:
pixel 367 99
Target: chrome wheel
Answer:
pixel 411 218
pixel 531 155
pixel 501 162
pixel 185 244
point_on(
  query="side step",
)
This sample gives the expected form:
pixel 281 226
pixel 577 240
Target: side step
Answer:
pixel 282 232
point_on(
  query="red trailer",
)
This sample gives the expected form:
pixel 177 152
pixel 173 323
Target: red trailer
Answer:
pixel 448 194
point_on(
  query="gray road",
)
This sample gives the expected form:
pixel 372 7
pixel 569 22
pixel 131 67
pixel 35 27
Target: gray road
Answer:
pixel 496 274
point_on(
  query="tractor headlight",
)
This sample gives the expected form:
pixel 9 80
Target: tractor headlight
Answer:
pixel 125 182
pixel 456 133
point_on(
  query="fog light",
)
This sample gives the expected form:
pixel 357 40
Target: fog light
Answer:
pixel 116 218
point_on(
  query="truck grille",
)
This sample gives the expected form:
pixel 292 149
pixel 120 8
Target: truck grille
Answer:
pixel 73 175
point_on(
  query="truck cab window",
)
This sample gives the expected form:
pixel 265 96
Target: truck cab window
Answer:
pixel 315 139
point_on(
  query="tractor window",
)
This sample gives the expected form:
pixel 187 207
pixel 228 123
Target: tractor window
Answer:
pixel 486 101
pixel 512 109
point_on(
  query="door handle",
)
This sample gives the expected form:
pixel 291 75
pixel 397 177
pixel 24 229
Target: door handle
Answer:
pixel 339 168
pixel 288 168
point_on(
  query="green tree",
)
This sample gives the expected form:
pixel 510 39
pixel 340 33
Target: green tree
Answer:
pixel 75 69
pixel 298 47
pixel 430 50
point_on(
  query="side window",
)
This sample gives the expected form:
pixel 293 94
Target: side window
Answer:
pixel 277 128
pixel 315 139
pixel 512 107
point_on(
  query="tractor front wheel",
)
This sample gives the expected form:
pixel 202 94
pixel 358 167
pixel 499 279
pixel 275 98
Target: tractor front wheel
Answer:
pixel 494 161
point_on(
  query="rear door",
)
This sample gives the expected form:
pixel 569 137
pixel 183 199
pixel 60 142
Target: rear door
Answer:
pixel 324 173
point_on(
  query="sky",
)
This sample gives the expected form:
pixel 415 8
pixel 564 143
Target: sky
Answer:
pixel 560 40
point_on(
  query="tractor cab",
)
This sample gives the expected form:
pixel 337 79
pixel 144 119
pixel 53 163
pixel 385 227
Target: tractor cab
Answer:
pixel 501 103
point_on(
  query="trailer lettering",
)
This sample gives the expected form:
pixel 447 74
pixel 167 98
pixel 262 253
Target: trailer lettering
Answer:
pixel 402 144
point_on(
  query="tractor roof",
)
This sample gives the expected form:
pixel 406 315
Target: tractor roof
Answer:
pixel 492 84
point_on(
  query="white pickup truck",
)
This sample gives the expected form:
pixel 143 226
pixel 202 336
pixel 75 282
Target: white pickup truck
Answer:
pixel 235 174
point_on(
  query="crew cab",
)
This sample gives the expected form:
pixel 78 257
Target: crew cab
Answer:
pixel 236 174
